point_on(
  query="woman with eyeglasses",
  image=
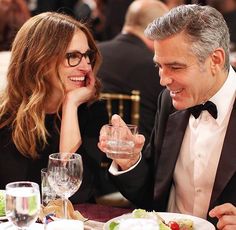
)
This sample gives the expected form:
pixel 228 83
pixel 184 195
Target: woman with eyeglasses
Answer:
pixel 50 102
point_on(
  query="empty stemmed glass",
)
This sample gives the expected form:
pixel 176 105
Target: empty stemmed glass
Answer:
pixel 65 171
pixel 22 203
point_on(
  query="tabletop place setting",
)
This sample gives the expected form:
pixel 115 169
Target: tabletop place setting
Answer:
pixel 22 207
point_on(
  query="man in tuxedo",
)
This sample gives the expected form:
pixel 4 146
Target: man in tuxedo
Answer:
pixel 127 61
pixel 189 165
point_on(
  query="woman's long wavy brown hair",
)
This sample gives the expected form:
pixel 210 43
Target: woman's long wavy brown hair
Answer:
pixel 38 49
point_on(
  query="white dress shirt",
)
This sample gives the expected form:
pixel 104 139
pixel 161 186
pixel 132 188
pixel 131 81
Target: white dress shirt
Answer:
pixel 195 170
pixel 200 152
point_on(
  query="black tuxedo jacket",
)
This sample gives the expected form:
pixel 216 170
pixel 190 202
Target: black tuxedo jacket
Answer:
pixel 128 65
pixel 148 184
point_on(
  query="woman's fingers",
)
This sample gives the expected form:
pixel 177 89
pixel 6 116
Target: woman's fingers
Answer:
pixel 90 80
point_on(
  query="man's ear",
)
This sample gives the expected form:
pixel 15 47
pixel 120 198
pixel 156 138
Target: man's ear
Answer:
pixel 217 60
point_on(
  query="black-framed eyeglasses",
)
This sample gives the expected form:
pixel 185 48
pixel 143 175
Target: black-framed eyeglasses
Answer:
pixel 74 58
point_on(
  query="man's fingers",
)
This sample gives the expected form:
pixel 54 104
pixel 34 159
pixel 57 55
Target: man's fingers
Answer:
pixel 227 222
pixel 224 209
pixel 139 139
pixel 104 133
pixel 116 120
pixel 139 142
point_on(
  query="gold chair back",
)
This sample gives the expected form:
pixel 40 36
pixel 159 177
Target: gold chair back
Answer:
pixel 134 100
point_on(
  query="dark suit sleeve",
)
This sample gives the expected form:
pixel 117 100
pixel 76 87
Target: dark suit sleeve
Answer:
pixel 137 185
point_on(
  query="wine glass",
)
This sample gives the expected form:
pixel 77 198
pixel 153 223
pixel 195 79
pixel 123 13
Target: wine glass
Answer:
pixel 65 171
pixel 22 203
pixel 120 140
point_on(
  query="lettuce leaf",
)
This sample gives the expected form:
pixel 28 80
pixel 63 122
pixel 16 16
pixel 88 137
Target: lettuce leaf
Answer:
pixel 2 203
pixel 140 213
pixel 113 225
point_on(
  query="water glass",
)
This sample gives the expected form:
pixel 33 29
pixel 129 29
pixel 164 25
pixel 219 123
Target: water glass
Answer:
pixel 65 171
pixel 22 203
pixel 48 193
pixel 120 140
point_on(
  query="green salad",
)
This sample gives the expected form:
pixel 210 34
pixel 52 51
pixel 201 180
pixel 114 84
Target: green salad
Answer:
pixel 138 219
pixel 2 203
pixel 141 219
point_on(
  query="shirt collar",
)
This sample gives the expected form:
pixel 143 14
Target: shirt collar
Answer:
pixel 225 97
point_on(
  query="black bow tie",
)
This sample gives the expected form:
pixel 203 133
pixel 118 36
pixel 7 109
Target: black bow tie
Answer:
pixel 209 106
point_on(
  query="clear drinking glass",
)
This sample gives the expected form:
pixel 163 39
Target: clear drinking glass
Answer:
pixel 120 140
pixel 48 194
pixel 65 172
pixel 22 203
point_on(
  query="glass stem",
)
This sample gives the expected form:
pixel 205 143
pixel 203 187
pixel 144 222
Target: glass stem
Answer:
pixel 65 207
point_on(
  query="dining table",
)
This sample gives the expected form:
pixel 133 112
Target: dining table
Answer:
pixel 98 214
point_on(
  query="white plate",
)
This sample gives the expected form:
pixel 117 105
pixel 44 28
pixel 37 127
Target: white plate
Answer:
pixel 9 226
pixel 199 224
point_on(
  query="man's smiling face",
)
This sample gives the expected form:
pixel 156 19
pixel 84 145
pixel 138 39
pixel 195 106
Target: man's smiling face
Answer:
pixel 189 82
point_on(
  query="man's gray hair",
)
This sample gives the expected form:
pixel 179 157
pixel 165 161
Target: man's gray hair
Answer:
pixel 203 26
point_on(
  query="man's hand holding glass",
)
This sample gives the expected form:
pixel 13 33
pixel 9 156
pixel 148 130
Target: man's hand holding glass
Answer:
pixel 121 142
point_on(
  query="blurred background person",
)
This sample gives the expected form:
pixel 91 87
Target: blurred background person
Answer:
pixel 228 9
pixel 115 16
pixel 105 17
pixel 39 6
pixel 83 10
pixel 13 13
pixel 93 13
pixel 50 102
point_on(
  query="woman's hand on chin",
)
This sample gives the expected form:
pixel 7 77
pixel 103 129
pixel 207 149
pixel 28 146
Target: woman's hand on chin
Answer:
pixel 83 94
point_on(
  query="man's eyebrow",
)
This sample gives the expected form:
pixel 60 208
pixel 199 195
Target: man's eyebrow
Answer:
pixel 170 63
pixel 175 63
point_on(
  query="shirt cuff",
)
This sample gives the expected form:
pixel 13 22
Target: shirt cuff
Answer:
pixel 114 169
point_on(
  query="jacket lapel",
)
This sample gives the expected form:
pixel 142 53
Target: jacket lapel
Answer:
pixel 226 167
pixel 174 134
